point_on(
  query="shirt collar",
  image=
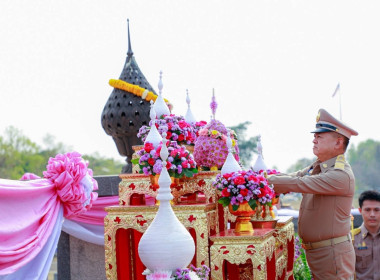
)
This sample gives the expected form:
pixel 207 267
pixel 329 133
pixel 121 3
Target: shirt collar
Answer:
pixel 365 232
pixel 326 164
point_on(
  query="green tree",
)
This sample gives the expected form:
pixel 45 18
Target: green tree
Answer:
pixel 365 163
pixel 18 155
pixel 103 166
pixel 300 164
pixel 247 147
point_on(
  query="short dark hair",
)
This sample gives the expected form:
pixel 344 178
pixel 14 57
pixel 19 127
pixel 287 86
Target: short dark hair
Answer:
pixel 346 141
pixel 368 195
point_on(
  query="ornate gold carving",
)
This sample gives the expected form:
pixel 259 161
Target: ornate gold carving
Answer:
pixel 285 231
pixel 252 250
pixel 140 184
pixel 135 184
pixel 281 265
pixel 201 182
pixel 237 249
pixel 140 217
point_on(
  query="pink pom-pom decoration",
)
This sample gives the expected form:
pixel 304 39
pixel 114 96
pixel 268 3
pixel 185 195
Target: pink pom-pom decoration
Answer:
pixel 73 180
pixel 210 148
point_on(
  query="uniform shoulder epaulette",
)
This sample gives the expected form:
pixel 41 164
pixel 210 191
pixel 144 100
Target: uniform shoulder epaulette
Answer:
pixel 340 161
pixel 356 231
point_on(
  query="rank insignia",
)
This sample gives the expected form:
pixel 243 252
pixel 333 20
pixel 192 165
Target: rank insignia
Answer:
pixel 363 246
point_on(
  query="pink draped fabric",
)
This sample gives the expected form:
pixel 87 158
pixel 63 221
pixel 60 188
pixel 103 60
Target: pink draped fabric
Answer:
pixel 28 212
pixel 29 209
pixel 95 216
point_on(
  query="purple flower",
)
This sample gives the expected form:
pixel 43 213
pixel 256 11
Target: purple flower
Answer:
pixel 146 171
pixel 157 167
pixel 179 169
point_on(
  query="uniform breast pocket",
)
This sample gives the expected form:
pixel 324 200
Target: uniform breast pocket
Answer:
pixel 363 258
pixel 314 202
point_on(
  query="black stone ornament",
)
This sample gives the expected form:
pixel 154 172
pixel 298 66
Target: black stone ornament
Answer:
pixel 124 112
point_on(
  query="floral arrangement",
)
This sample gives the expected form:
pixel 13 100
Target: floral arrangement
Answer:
pixel 180 162
pixel 198 126
pixel 244 186
pixel 301 269
pixel 210 150
pixel 192 273
pixel 175 127
pixel 136 90
pixel 270 172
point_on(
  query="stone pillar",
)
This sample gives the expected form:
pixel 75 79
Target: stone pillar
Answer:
pixel 80 260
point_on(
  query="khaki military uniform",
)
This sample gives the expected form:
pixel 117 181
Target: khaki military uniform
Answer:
pixel 324 220
pixel 367 250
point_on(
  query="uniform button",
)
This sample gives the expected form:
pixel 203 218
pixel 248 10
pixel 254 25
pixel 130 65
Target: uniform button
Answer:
pixel 324 165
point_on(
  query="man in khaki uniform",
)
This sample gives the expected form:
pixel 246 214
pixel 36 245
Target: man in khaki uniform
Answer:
pixel 328 187
pixel 367 237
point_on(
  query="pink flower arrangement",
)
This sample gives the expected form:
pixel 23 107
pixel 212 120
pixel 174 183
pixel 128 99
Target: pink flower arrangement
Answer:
pixel 244 186
pixel 192 273
pixel 198 126
pixel 180 162
pixel 159 275
pixel 270 172
pixel 210 148
pixel 175 127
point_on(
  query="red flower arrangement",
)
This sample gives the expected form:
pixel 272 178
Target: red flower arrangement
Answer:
pixel 244 186
pixel 175 127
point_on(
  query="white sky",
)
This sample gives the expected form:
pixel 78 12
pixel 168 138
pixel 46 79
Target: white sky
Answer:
pixel 274 63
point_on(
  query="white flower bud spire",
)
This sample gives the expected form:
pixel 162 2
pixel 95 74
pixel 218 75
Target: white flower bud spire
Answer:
pixel 230 165
pixel 189 117
pixel 166 244
pixel 164 192
pixel 160 105
pixel 259 164
pixel 153 136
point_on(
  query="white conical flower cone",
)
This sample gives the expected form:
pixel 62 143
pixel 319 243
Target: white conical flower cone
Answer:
pixel 166 244
pixel 189 117
pixel 159 105
pixel 259 164
pixel 153 136
pixel 230 165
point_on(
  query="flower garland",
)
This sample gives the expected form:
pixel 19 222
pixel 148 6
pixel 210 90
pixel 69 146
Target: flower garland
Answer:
pixel 135 89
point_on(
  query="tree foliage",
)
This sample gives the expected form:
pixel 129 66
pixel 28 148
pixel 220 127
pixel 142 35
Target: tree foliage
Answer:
pixel 300 164
pixel 18 155
pixel 365 163
pixel 247 147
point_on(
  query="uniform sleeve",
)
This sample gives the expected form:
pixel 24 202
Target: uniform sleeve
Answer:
pixel 332 182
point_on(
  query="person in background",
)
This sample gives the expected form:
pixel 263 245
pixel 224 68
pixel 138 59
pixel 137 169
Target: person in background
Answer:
pixel 366 238
pixel 328 187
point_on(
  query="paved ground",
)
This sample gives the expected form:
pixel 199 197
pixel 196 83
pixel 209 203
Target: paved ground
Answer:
pixel 53 269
